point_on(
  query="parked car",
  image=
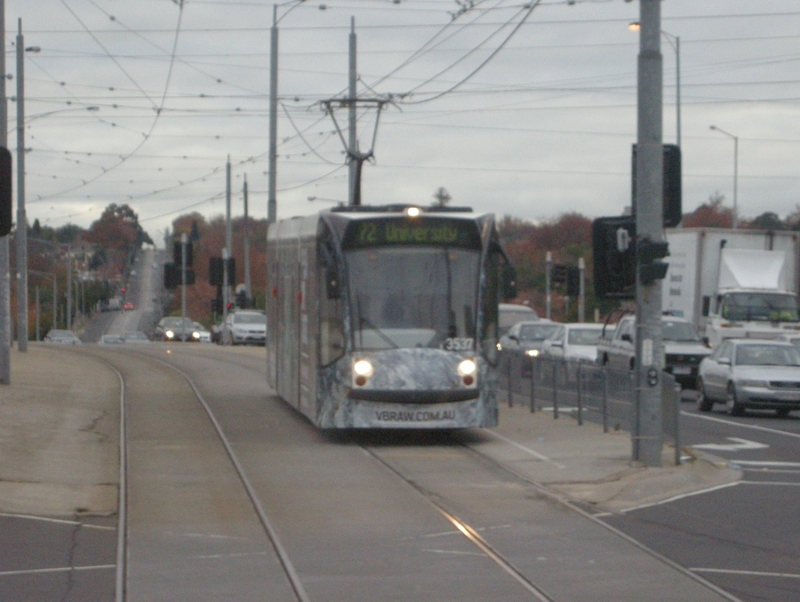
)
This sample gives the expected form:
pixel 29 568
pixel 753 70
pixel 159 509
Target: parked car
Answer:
pixel 205 333
pixel 244 327
pixel 751 373
pixel 576 341
pixel 62 337
pixel 135 336
pixel 176 329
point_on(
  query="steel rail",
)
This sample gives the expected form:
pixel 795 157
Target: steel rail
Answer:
pixel 470 533
pixel 291 574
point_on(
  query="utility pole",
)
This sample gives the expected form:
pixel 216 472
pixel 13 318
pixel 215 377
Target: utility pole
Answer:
pixel 582 289
pixel 548 266
pixel 648 434
pixel 272 201
pixel 22 220
pixel 352 146
pixel 228 250
pixel 184 239
pixel 5 280
pixel 69 288
pixel 246 247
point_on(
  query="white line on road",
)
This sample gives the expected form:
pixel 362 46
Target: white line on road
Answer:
pixel 781 483
pixel 767 464
pixel 64 569
pixel 743 425
pixel 58 521
pixel 680 497
pixel 527 450
pixel 749 573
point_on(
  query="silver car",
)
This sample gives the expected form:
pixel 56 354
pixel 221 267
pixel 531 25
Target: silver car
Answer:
pixel 751 373
pixel 62 337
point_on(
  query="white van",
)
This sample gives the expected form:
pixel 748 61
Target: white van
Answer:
pixel 511 313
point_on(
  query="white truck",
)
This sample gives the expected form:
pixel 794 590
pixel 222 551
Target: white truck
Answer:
pixel 733 283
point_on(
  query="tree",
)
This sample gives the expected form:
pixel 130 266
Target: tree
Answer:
pixel 710 215
pixel 442 197
pixel 767 221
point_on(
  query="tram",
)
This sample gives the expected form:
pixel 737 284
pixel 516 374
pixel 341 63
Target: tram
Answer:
pixel 386 316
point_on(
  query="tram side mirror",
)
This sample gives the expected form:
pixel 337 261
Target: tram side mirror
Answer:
pixel 332 286
pixel 509 275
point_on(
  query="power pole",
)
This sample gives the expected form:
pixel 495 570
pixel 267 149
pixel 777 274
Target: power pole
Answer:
pixel 5 280
pixel 228 250
pixel 352 146
pixel 648 434
pixel 22 220
pixel 246 246
pixel 548 266
pixel 184 240
pixel 272 201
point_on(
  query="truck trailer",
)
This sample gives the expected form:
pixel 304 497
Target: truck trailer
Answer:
pixel 733 283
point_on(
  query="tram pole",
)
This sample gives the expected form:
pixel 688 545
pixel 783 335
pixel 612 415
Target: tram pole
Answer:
pixel 5 279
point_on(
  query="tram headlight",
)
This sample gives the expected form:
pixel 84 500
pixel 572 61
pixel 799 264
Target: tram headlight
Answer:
pixel 362 369
pixel 467 370
pixel 532 353
pixel 413 211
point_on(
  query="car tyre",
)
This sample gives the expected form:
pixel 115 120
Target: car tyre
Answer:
pixel 704 404
pixel 734 407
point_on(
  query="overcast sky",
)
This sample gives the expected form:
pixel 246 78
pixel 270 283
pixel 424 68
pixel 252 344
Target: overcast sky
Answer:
pixel 518 112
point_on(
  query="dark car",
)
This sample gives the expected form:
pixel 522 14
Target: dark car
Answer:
pixel 751 373
pixel 177 329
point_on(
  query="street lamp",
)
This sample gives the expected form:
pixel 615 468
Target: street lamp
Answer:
pixel 735 169
pixel 675 42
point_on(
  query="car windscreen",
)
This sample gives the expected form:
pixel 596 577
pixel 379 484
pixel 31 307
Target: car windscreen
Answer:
pixel 767 355
pixel 679 332
pixel 536 332
pixel 583 336
pixel 249 319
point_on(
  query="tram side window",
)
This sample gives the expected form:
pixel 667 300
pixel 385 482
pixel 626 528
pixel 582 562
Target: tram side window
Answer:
pixel 331 307
pixel 491 299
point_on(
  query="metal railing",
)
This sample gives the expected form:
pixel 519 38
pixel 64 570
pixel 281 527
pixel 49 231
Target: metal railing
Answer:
pixel 589 391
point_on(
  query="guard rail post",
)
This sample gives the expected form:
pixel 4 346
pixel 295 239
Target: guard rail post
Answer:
pixel 555 389
pixel 578 394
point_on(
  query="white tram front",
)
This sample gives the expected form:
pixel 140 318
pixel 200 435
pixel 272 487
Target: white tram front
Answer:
pixel 386 317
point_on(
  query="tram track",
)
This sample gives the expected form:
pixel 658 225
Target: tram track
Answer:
pixel 439 500
pixel 121 579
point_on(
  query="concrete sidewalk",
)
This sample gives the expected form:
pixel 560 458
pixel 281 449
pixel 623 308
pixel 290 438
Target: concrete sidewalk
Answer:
pixel 59 434
pixel 59 446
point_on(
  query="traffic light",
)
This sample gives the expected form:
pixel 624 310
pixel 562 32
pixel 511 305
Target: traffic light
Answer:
pixel 559 274
pixel 216 306
pixel 172 275
pixel 648 253
pixel 6 201
pixel 177 253
pixel 614 257
pixel 672 185
pixel 573 281
pixel 216 271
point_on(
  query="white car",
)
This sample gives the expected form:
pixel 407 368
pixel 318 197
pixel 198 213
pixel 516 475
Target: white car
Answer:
pixel 245 327
pixel 576 341
pixel 205 333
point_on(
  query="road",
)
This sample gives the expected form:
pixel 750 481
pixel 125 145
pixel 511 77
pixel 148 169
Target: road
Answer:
pixel 745 537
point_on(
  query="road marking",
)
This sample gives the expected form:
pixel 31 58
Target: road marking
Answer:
pixel 750 573
pixel 742 425
pixel 65 569
pixel 767 464
pixel 675 498
pixel 779 483
pixel 738 445
pixel 58 521
pixel 527 450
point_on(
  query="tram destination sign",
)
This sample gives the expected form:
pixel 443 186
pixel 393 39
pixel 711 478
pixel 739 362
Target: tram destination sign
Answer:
pixel 420 231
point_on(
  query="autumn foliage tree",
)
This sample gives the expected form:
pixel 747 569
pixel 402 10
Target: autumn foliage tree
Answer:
pixel 119 235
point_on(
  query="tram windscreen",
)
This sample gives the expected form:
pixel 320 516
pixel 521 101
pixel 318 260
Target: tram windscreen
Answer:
pixel 413 296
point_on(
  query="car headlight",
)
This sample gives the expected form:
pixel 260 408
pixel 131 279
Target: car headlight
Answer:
pixel 195 335
pixel 169 334
pixel 532 353
pixel 752 382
